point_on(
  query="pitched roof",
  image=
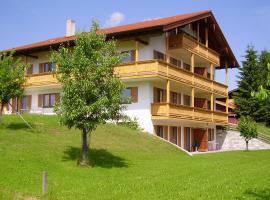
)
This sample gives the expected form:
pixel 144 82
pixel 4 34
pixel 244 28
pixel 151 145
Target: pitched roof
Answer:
pixel 161 23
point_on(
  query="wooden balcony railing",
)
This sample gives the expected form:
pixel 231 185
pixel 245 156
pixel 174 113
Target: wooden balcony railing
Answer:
pixel 186 42
pixel 189 113
pixel 159 68
pixel 41 80
pixel 145 69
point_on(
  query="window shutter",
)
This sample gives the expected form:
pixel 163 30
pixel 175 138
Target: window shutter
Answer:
pixel 29 102
pixel 155 95
pixel 132 54
pixel 134 94
pixel 41 68
pixel 29 70
pixel 40 100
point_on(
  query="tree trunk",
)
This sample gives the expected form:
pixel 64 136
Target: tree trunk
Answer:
pixel 247 145
pixel 84 159
pixel 1 112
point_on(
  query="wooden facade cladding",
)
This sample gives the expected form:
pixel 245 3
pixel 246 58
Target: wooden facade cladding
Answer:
pixel 185 41
pixel 41 80
pixel 169 110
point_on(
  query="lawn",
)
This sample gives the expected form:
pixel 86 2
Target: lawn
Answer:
pixel 126 164
pixel 262 128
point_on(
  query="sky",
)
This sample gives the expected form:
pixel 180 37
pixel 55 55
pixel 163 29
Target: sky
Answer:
pixel 243 22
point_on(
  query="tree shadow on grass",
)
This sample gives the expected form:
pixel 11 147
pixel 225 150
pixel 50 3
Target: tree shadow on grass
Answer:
pixel 97 157
pixel 259 194
pixel 19 126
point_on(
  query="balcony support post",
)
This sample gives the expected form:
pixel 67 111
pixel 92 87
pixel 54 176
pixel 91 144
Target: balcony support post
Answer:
pixel 192 97
pixel 212 102
pixel 227 75
pixel 206 37
pixel 211 71
pixel 136 51
pixel 192 62
pixel 169 133
pixel 168 86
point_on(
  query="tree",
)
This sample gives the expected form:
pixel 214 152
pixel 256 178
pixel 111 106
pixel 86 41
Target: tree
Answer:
pixel 12 78
pixel 91 92
pixel 248 129
pixel 250 78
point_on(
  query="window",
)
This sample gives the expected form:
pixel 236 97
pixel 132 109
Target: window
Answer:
pixel 46 67
pixel 29 70
pixel 174 97
pixel 174 135
pixel 186 100
pixel 211 135
pixel 129 56
pixel 160 95
pixel 49 100
pixel 24 102
pixel 158 55
pixel 130 93
pixel 186 66
pixel 175 62
pixel 160 131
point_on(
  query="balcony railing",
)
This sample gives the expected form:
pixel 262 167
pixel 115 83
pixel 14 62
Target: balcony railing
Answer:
pixel 159 68
pixel 145 69
pixel 186 42
pixel 41 80
pixel 189 113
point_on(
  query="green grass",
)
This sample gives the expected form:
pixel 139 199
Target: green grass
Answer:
pixel 262 128
pixel 126 164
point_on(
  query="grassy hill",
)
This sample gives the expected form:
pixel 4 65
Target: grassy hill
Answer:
pixel 262 128
pixel 126 165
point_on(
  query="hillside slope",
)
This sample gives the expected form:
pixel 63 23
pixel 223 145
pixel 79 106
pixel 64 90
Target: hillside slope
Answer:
pixel 126 164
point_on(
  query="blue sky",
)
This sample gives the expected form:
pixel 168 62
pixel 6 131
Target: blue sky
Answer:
pixel 243 21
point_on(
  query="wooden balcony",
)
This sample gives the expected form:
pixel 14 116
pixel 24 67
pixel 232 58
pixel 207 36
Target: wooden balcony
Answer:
pixel 156 68
pixel 185 41
pixel 41 80
pixel 167 110
pixel 145 69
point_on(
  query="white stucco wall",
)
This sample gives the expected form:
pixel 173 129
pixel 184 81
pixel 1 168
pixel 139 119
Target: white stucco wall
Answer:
pixel 142 109
pixel 35 92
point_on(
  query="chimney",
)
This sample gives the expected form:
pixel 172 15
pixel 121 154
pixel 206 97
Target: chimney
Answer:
pixel 70 29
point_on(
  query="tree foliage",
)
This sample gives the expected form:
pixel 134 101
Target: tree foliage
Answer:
pixel 252 75
pixel 12 77
pixel 248 129
pixel 91 92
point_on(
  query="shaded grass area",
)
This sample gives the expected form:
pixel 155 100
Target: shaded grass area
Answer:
pixel 263 128
pixel 126 164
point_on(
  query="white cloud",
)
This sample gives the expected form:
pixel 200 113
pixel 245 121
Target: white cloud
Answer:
pixel 115 19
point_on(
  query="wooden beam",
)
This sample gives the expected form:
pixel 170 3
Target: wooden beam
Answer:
pixel 192 97
pixel 168 86
pixel 198 31
pixel 141 41
pixel 211 71
pixel 28 55
pixel 206 36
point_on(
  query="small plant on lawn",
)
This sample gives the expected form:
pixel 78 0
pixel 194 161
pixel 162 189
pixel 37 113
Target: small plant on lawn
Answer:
pixel 12 79
pixel 129 122
pixel 248 129
pixel 91 92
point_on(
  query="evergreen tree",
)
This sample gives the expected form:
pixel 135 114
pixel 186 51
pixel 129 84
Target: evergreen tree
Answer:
pixel 252 75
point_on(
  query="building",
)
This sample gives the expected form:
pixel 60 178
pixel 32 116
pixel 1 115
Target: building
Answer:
pixel 170 75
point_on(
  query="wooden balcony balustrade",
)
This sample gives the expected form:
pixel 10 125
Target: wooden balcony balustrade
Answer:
pixel 188 113
pixel 185 41
pixel 145 69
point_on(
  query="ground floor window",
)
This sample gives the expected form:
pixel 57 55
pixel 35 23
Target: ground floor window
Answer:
pixel 211 135
pixel 160 131
pixel 174 135
pixel 24 102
